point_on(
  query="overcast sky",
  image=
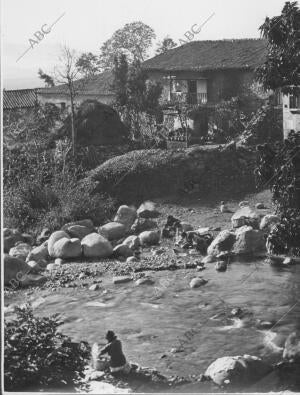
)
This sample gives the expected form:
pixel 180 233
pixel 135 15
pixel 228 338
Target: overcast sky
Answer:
pixel 85 25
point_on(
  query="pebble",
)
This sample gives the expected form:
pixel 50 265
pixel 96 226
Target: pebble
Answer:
pixel 260 206
pixel 288 261
pixel 121 279
pixel 94 287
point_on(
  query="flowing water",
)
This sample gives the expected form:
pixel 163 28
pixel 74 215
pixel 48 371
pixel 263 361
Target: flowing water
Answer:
pixel 151 320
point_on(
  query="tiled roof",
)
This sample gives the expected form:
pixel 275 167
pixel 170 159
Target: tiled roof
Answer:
pixel 211 55
pixel 21 98
pixel 97 84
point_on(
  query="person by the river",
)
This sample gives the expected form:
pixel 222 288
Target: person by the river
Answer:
pixel 118 361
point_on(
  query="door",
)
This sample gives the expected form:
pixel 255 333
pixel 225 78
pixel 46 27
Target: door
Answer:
pixel 192 92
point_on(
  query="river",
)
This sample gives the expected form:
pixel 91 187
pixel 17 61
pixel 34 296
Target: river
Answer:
pixel 151 320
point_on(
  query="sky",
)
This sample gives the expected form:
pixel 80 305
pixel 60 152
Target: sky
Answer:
pixel 86 25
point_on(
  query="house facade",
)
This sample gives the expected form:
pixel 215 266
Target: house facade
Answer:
pixel 291 114
pixel 97 87
pixel 207 72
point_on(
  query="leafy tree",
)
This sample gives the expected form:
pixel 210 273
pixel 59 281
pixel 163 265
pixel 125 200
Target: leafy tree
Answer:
pixel 164 46
pixel 135 95
pixel 282 66
pixel 133 40
pixel 48 80
pixel 38 356
pixel 88 64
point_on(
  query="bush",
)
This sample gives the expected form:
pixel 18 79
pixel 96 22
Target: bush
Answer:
pixel 32 205
pixel 37 356
pixel 279 167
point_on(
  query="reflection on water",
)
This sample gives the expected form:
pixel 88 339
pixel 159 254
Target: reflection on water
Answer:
pixel 152 324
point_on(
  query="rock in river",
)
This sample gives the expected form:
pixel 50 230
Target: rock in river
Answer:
pixel 249 241
pixel 197 282
pixel 223 242
pixel 237 370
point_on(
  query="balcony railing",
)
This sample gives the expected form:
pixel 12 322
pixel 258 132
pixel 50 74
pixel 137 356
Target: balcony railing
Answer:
pixel 189 98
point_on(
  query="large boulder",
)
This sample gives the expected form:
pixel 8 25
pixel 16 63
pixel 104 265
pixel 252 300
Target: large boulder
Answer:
pixel 268 221
pixel 223 242
pixel 96 246
pixel 249 241
pixel 14 269
pixel 126 216
pixel 10 238
pixel 67 248
pixel 237 370
pixel 59 234
pixel 79 231
pixel 291 350
pixel 149 237
pixel 245 216
pixel 21 250
pixel 112 231
pixel 147 210
pixel 97 123
pixel 39 253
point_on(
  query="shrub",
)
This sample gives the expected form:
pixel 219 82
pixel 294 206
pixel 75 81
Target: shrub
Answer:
pixel 37 356
pixel 279 167
pixel 31 205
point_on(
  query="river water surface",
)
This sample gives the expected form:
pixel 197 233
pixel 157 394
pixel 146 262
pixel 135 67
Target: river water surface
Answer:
pixel 153 320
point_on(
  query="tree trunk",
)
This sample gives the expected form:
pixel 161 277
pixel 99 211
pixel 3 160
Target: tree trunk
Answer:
pixel 72 120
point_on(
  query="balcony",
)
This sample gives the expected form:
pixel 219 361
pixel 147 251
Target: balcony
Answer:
pixel 189 98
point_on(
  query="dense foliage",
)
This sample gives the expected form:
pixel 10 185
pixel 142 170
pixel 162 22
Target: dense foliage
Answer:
pixel 279 168
pixel 282 66
pixel 38 357
pixel 137 99
pixel 41 176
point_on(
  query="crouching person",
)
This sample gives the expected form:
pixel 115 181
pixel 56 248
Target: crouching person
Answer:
pixel 118 363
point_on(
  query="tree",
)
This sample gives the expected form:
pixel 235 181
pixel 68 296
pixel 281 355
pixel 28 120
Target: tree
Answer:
pixel 48 80
pixel 164 46
pixel 136 97
pixel 66 73
pixel 133 40
pixel 282 66
pixel 88 64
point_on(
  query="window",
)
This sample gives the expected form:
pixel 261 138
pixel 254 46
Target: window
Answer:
pixel 294 101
